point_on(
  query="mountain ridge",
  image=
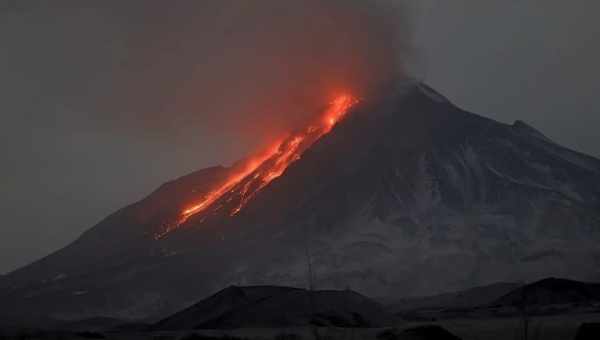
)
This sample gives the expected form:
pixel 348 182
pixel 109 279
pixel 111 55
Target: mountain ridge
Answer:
pixel 402 191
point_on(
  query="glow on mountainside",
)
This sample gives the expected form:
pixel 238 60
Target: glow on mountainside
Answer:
pixel 263 168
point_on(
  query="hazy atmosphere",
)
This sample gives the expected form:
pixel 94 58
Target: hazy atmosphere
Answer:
pixel 102 104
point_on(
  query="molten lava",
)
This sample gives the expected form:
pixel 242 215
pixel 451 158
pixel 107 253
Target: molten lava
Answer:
pixel 260 170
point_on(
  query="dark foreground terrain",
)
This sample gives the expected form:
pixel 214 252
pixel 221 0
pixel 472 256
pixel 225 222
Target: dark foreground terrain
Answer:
pixel 562 327
pixel 547 309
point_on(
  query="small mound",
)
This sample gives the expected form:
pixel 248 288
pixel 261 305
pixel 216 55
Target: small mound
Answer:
pixel 552 291
pixel 269 306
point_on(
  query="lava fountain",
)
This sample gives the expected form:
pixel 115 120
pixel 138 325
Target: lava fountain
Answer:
pixel 261 169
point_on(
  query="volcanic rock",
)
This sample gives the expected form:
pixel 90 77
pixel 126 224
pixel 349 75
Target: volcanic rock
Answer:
pixel 408 195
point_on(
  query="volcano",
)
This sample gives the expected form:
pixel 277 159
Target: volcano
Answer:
pixel 406 195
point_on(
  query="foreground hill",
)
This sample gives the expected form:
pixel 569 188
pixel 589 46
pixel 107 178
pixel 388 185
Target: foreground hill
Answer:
pixel 269 306
pixel 551 291
pixel 464 299
pixel 547 297
pixel 408 195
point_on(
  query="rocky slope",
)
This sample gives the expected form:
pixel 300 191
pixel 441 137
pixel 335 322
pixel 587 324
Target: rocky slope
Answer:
pixel 408 195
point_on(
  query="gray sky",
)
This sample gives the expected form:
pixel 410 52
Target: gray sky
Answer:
pixel 101 105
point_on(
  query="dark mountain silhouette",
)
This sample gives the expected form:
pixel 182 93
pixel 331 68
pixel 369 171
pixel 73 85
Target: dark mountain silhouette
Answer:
pixel 408 195
pixel 469 298
pixel 270 306
pixel 552 291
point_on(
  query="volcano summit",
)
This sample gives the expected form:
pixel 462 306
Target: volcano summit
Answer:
pixel 406 195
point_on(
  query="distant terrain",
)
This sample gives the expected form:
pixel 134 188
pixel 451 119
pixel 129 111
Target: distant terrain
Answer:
pixel 551 309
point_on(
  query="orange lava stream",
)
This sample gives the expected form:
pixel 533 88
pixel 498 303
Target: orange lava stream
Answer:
pixel 262 169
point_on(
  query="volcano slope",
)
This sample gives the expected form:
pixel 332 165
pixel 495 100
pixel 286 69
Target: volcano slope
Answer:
pixel 408 195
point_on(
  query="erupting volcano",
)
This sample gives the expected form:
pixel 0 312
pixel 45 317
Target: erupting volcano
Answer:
pixel 387 204
pixel 258 171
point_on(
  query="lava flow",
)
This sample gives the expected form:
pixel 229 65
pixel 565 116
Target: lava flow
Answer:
pixel 260 170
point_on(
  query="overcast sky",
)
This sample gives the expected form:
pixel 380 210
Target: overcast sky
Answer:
pixel 69 157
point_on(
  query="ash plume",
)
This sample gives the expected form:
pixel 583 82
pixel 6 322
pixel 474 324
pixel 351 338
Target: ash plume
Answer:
pixel 251 69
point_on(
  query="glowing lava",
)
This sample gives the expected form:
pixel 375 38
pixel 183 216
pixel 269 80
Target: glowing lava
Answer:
pixel 260 170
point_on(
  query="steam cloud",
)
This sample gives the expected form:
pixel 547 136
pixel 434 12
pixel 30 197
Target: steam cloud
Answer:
pixel 252 69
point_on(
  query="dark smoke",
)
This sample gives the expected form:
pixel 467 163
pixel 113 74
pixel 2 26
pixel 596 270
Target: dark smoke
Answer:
pixel 249 69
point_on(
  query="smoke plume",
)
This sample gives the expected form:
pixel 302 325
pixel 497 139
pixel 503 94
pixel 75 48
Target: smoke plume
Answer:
pixel 249 70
